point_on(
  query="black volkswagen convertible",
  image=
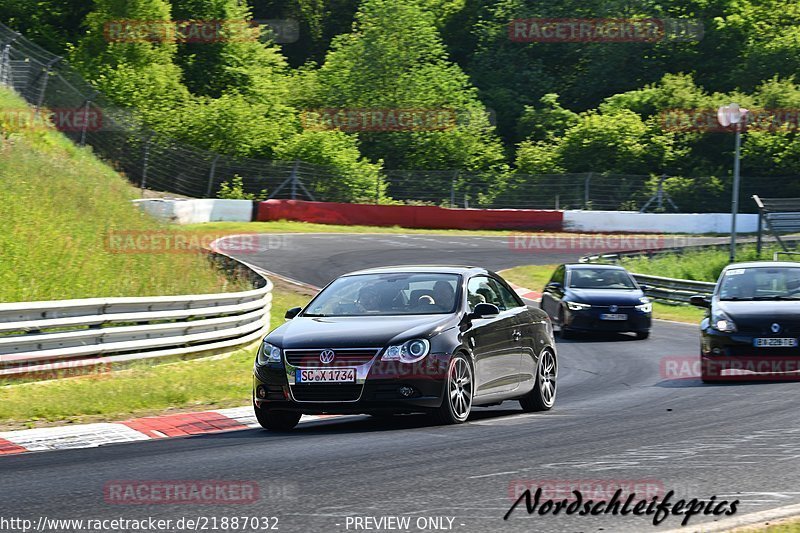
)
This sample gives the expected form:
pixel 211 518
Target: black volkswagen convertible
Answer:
pixel 432 339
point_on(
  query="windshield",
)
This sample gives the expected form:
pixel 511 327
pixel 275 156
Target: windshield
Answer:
pixel 387 294
pixel 760 283
pixel 600 278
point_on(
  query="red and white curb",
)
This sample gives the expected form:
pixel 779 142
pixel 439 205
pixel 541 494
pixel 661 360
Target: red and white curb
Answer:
pixel 137 429
pixel 526 293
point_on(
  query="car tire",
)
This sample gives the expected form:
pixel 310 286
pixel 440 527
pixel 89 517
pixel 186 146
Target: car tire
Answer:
pixel 276 420
pixel 563 332
pixel 543 395
pixel 458 392
pixel 642 335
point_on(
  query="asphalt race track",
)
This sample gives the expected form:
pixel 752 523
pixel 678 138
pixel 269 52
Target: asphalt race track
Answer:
pixel 618 420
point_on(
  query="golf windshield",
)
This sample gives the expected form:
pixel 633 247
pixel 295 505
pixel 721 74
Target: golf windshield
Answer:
pixel 600 278
pixel 761 283
pixel 388 294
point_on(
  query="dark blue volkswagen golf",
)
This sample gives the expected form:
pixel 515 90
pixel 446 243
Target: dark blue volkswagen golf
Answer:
pixel 599 298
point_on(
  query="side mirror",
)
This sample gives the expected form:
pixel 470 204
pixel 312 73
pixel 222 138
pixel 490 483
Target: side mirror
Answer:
pixel 698 300
pixel 484 310
pixel 645 287
pixel 293 312
pixel 554 285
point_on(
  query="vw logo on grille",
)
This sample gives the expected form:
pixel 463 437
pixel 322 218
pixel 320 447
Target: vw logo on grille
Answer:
pixel 775 327
pixel 326 356
pixel 613 308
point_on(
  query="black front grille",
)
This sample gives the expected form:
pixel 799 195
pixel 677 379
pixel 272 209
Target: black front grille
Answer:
pixel 343 357
pixel 318 392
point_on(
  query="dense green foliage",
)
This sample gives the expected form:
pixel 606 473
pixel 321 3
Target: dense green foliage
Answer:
pixel 559 106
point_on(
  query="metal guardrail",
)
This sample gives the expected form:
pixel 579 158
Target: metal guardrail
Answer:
pixel 674 290
pixel 658 287
pixel 667 289
pixel 55 336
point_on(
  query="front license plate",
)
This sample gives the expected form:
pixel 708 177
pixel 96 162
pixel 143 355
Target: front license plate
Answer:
pixel 328 375
pixel 613 316
pixel 767 342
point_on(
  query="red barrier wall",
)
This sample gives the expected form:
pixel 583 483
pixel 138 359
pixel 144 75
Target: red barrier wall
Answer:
pixel 409 216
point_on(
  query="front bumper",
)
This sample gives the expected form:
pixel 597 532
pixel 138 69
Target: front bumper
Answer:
pixel 590 320
pixel 734 355
pixel 379 387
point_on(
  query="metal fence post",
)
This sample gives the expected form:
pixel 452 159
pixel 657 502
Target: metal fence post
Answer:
pixel 211 176
pixel 453 190
pixel 294 179
pixel 46 72
pixel 5 65
pixel 85 121
pixel 586 183
pixel 145 161
pixel 377 189
pixel 759 242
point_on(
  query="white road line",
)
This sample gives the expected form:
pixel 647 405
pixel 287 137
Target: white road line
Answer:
pixel 492 475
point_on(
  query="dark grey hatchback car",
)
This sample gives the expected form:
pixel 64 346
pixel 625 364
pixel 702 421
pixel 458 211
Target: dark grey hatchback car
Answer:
pixel 433 339
pixel 597 298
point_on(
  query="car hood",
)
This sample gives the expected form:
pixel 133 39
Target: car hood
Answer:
pixel 605 296
pixel 357 331
pixel 761 310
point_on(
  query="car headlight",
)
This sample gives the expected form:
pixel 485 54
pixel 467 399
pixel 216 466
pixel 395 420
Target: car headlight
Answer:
pixel 722 322
pixel 408 352
pixel 575 306
pixel 645 307
pixel 268 353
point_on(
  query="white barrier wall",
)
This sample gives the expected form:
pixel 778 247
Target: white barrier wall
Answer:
pixel 632 221
pixel 190 211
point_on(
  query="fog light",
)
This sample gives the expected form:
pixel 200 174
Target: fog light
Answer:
pixel 406 392
pixel 261 392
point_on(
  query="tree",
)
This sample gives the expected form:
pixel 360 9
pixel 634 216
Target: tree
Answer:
pixel 134 72
pixel 350 177
pixel 394 59
pixel 241 59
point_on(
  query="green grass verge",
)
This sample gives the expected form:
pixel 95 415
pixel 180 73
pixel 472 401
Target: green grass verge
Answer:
pixel 59 203
pixel 703 265
pixel 535 277
pixel 789 525
pixel 143 389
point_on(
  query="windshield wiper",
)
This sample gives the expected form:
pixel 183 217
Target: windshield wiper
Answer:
pixel 315 315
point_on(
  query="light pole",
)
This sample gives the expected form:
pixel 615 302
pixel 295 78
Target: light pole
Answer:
pixel 727 115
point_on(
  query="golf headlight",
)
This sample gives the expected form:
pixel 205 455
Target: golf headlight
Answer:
pixel 268 353
pixel 575 306
pixel 408 352
pixel 722 322
pixel 646 306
